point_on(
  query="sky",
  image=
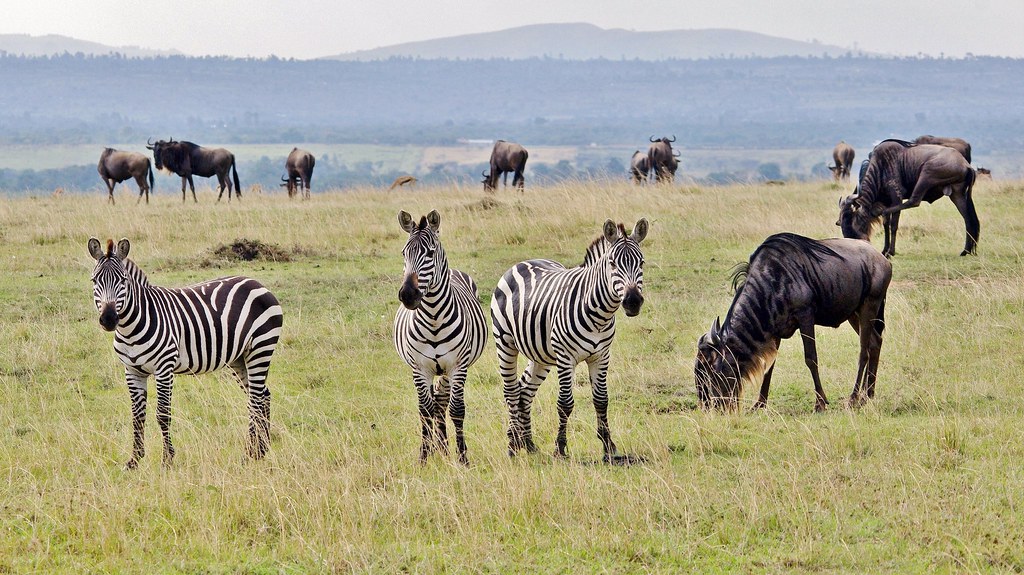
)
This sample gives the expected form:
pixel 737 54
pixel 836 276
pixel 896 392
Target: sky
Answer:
pixel 312 28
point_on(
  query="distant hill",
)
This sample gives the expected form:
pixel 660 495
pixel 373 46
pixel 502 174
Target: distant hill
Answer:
pixel 51 44
pixel 587 42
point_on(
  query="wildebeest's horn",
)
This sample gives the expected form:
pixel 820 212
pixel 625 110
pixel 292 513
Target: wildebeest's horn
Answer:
pixel 284 179
pixel 676 153
pixel 652 139
pixel 715 332
pixel 673 138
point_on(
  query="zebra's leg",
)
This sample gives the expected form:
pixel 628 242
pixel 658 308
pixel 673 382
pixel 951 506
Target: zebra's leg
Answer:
pixel 442 395
pixel 137 392
pixel 457 410
pixel 565 406
pixel 425 394
pixel 598 381
pixel 533 376
pixel 509 372
pixel 252 376
pixel 164 387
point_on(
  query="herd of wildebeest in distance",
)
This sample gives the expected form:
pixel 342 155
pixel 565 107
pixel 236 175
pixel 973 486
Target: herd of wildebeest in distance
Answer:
pixel 557 316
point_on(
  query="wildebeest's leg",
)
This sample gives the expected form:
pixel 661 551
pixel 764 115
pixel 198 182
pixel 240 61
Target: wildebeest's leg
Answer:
pixel 811 359
pixel 565 405
pixel 965 205
pixel 891 222
pixel 183 181
pixel 518 180
pixel 137 393
pixel 598 382
pixel 164 386
pixel 143 188
pixel 221 184
pixel 762 398
pixel 870 324
pixel 110 190
pixel 442 395
pixel 457 410
pixel 425 393
pixel 504 181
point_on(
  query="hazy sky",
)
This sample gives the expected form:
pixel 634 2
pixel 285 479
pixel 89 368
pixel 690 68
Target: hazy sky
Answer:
pixel 312 28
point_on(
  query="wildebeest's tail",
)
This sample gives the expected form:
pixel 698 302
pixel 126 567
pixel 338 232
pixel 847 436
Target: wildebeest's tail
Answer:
pixel 971 221
pixel 234 174
pixel 149 168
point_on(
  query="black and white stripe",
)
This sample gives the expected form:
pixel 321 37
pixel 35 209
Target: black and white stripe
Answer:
pixel 559 317
pixel 232 321
pixel 439 331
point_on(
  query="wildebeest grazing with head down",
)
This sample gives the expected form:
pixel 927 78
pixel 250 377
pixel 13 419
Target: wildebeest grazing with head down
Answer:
pixel 187 159
pixel 898 171
pixel 662 162
pixel 958 144
pixel 639 166
pixel 794 283
pixel 299 166
pixel 842 155
pixel 117 166
pixel 506 157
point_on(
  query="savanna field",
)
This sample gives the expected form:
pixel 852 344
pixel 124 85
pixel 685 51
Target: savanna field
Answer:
pixel 927 477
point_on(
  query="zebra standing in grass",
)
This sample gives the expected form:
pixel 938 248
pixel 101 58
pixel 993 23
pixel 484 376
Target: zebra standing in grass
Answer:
pixel 439 331
pixel 232 321
pixel 559 317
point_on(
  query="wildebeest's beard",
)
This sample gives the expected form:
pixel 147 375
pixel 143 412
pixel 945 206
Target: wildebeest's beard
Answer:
pixel 855 219
pixel 715 376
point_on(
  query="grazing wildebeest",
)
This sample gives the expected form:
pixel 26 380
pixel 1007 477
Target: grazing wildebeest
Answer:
pixel 958 144
pixel 187 159
pixel 116 166
pixel 639 166
pixel 984 173
pixel 401 181
pixel 299 166
pixel 842 155
pixel 794 283
pixel 506 157
pixel 662 162
pixel 898 171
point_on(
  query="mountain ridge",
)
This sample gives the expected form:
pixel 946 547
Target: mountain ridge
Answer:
pixel 56 44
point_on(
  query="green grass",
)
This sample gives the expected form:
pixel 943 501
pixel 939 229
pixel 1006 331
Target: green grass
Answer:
pixel 925 478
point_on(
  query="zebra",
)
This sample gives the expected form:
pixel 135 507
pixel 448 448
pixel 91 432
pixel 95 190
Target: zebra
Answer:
pixel 231 321
pixel 559 317
pixel 439 331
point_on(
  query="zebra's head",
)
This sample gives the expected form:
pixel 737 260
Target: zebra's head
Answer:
pixel 424 258
pixel 109 280
pixel 715 371
pixel 627 263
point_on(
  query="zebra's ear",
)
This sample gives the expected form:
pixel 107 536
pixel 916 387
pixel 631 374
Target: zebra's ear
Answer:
pixel 611 231
pixel 405 220
pixel 95 250
pixel 639 231
pixel 434 220
pixel 123 247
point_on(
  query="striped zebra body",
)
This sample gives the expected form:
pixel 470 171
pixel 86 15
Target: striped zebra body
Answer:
pixel 230 322
pixel 439 331
pixel 559 317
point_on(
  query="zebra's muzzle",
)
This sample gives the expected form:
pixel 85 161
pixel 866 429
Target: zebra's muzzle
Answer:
pixel 633 301
pixel 409 294
pixel 108 317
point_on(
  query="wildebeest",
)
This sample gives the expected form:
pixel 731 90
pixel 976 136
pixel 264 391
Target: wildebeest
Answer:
pixel 299 166
pixel 958 144
pixel 506 157
pixel 842 155
pixel 187 159
pixel 639 166
pixel 898 171
pixel 401 181
pixel 984 173
pixel 661 160
pixel 117 166
pixel 794 283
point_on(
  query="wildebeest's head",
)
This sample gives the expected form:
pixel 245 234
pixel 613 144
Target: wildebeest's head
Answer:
pixel 109 280
pixel 856 219
pixel 424 258
pixel 160 148
pixel 716 371
pixel 627 262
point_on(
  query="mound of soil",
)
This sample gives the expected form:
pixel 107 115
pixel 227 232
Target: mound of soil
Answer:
pixel 249 250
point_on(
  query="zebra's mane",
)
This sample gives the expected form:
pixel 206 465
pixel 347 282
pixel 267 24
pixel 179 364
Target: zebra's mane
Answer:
pixel 595 251
pixel 136 273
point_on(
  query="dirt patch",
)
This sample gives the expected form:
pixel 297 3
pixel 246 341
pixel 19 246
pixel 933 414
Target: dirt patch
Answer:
pixel 249 250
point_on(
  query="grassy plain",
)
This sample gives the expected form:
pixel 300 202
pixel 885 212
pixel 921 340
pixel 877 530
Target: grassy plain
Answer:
pixel 926 478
